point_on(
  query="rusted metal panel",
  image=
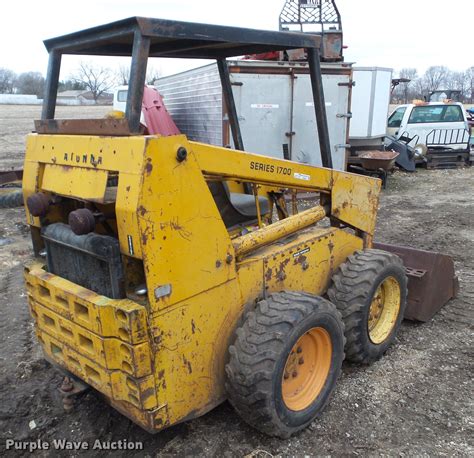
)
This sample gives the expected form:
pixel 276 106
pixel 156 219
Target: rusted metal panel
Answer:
pixel 8 176
pixel 432 281
pixel 103 126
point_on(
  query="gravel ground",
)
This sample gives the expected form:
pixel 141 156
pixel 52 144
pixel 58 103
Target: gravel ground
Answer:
pixel 417 400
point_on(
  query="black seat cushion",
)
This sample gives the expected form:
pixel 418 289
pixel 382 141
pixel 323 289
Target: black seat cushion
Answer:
pixel 236 208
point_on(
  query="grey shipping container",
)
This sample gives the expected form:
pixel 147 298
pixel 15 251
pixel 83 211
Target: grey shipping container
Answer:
pixel 274 105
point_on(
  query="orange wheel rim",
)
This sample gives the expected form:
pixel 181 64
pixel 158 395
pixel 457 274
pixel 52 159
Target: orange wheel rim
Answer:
pixel 306 369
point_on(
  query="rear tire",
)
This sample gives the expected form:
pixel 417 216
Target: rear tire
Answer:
pixel 370 290
pixel 285 361
pixel 11 199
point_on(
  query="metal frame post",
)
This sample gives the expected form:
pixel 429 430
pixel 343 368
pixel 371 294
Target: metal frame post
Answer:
pixel 230 103
pixel 319 106
pixel 140 52
pixel 51 85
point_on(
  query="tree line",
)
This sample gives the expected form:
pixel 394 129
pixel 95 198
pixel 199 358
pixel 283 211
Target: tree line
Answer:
pixel 100 80
pixel 96 79
pixel 435 78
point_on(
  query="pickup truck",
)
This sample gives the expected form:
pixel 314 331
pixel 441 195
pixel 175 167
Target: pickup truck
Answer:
pixel 431 125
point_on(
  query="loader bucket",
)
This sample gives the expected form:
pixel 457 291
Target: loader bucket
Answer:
pixel 431 280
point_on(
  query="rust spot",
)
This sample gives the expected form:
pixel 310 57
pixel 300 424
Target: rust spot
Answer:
pixel 147 393
pixel 268 274
pixel 141 210
pixel 127 188
pixel 161 374
pixel 281 274
pixel 148 167
pixel 330 246
pixel 193 326
pixel 218 264
pixel 300 259
pixel 345 204
pixel 188 364
pixel 144 238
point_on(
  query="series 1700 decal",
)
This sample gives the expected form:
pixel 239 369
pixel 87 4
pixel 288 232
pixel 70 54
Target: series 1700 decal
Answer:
pixel 270 168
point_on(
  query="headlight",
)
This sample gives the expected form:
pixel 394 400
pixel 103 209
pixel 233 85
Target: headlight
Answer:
pixel 420 151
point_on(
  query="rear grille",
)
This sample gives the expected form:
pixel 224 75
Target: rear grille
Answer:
pixel 92 260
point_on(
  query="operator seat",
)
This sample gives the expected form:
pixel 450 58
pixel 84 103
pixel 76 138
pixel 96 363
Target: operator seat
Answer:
pixel 236 208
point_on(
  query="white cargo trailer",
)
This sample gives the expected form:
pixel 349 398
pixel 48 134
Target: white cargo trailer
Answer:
pixel 274 105
pixel 370 104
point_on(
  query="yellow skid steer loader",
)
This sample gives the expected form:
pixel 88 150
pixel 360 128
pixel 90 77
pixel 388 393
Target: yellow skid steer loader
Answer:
pixel 169 275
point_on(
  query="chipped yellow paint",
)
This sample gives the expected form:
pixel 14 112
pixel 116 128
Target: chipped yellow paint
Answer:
pixel 163 363
pixel 180 255
pixel 355 200
pixel 276 231
pixel 66 180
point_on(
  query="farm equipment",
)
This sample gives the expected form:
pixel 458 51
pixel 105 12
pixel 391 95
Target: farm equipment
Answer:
pixel 170 275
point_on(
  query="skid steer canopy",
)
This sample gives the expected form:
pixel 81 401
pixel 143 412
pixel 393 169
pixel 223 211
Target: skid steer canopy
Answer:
pixel 431 280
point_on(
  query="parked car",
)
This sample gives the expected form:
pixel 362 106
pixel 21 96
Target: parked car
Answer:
pixel 430 125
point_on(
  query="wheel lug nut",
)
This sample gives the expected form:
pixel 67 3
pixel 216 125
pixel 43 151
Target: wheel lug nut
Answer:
pixel 286 375
pixel 294 374
pixel 301 361
pixel 299 350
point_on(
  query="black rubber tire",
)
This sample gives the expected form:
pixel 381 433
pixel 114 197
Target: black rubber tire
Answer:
pixel 352 289
pixel 259 354
pixel 11 199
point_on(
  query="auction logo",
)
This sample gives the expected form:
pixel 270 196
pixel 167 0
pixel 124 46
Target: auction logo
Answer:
pixel 63 444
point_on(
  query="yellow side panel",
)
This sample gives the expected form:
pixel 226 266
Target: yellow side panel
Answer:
pixel 355 199
pixel 121 154
pixel 345 244
pixel 250 275
pixel 186 247
pixel 302 265
pixel 191 341
pixel 30 185
pixel 305 263
pixel 128 193
pixel 65 180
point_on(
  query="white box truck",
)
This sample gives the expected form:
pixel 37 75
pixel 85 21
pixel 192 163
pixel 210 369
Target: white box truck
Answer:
pixel 370 106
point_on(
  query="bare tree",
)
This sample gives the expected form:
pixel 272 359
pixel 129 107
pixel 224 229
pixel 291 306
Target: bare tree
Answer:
pixel 30 83
pixel 469 75
pixel 406 89
pixel 98 80
pixel 435 77
pixel 458 81
pixel 7 80
pixel 123 74
pixel 152 74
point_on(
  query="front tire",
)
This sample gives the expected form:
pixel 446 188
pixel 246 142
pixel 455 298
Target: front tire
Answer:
pixel 370 290
pixel 285 361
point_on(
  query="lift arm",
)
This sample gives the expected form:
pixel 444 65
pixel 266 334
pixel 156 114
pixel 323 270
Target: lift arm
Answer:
pixel 353 198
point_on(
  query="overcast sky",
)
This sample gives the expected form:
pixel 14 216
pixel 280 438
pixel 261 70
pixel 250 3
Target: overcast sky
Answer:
pixel 403 33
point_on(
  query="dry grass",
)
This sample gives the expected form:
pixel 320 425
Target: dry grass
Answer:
pixel 16 121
